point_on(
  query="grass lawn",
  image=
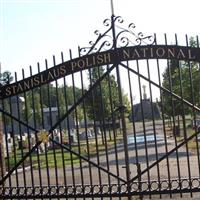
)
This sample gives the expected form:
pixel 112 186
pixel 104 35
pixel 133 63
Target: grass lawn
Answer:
pixel 44 159
pixel 59 157
pixel 192 144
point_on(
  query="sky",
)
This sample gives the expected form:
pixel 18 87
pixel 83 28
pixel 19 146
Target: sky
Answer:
pixel 34 30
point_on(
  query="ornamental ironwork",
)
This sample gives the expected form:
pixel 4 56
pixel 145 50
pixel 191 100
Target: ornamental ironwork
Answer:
pixel 116 36
pixel 90 144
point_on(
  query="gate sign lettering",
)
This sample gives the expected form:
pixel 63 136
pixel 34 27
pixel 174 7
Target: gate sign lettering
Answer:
pixel 99 59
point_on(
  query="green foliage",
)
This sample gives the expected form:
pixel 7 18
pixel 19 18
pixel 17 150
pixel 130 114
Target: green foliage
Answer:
pixel 49 96
pixel 37 106
pixel 5 78
pixel 61 101
pixel 127 104
pixel 104 99
pixel 182 78
pixel 6 107
pixel 99 105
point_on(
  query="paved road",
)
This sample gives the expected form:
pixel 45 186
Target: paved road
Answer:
pixel 147 155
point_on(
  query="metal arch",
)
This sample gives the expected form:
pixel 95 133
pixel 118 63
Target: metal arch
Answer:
pixel 122 37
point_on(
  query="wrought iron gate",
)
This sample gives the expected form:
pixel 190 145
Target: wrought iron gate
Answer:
pixel 86 128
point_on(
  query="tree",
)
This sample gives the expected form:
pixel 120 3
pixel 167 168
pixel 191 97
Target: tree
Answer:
pixel 32 108
pixel 180 78
pixel 61 101
pixel 37 108
pixel 98 102
pixel 127 104
pixel 5 78
pixel 104 98
pixel 27 111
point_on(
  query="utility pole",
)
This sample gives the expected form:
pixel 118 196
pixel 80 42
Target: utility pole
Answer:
pixel 121 104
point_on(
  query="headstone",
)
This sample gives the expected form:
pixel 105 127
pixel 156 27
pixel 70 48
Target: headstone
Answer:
pixel 73 137
pixel 98 131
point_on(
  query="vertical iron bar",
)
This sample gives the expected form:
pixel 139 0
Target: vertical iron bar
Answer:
pixel 124 131
pixel 20 135
pixel 60 126
pixel 174 122
pixel 77 128
pixel 68 127
pixel 163 118
pixel 51 123
pixel 43 127
pixel 102 123
pixel 12 135
pixel 95 131
pixel 104 129
pixel 139 180
pixel 144 126
pixel 86 126
pixel 113 120
pixel 2 170
pixel 2 150
pixel 35 126
pixel 138 166
pixel 193 103
pixel 6 140
pixel 183 116
pixel 28 132
pixel 153 120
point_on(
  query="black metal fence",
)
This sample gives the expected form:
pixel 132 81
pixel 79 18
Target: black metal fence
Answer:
pixel 121 122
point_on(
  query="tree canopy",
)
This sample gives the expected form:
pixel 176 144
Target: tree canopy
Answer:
pixel 105 97
pixel 5 78
pixel 100 104
pixel 181 78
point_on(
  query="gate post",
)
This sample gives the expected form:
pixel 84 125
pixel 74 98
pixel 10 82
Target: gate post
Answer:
pixel 2 157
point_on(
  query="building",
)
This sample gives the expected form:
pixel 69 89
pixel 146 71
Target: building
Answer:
pixel 50 117
pixel 143 110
